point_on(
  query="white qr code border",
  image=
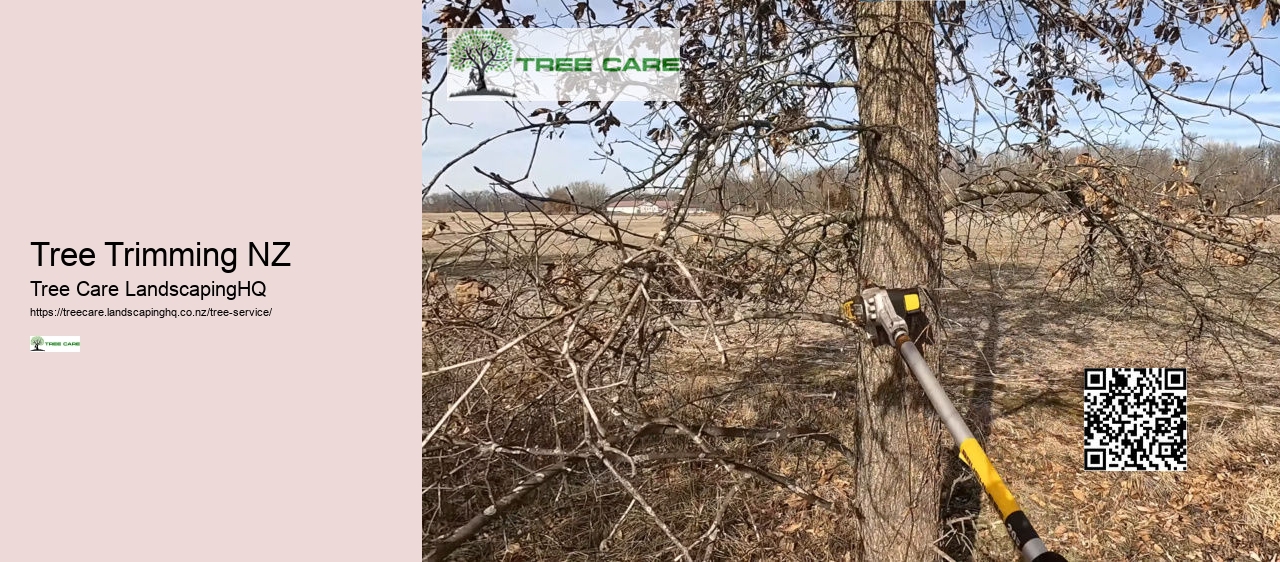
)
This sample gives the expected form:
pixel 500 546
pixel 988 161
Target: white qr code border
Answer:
pixel 1135 419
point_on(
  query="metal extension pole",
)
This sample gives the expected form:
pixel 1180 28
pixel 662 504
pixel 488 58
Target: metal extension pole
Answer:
pixel 1016 523
pixel 877 312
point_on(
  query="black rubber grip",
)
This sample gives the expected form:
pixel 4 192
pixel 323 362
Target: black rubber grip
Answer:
pixel 1019 528
pixel 1050 557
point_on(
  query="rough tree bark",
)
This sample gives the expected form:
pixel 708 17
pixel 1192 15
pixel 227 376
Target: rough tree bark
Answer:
pixel 898 437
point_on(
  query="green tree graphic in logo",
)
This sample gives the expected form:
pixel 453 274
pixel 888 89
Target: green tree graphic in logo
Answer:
pixel 37 341
pixel 480 51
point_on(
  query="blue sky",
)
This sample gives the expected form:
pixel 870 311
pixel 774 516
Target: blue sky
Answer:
pixel 572 157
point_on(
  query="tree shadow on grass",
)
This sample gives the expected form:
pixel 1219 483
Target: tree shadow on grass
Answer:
pixel 983 324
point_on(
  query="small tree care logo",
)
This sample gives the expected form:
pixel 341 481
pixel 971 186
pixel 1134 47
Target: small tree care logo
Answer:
pixel 54 344
pixel 563 65
pixel 480 53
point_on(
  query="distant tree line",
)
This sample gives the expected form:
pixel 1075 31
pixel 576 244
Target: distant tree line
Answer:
pixel 1245 179
pixel 573 197
pixel 1231 174
pixel 481 201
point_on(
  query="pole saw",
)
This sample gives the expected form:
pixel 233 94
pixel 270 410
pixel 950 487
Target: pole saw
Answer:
pixel 894 317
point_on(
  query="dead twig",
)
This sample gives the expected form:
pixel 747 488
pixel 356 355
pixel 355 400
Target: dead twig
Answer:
pixel 499 508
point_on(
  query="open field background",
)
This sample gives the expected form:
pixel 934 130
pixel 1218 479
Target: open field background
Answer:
pixel 1015 346
pixel 461 229
pixel 686 389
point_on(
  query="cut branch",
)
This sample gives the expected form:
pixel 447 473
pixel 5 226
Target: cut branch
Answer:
pixel 499 508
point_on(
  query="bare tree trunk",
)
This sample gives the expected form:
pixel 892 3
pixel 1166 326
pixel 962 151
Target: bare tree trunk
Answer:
pixel 898 436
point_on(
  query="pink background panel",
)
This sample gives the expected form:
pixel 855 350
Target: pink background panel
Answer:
pixel 293 437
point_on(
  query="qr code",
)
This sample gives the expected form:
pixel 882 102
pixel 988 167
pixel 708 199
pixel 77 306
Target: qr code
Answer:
pixel 1135 419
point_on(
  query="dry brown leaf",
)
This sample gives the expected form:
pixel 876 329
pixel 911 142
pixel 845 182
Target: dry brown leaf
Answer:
pixel 468 291
pixel 796 502
pixel 1228 257
pixel 1153 67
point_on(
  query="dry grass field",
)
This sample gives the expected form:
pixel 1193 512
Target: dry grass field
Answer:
pixel 460 229
pixel 1013 355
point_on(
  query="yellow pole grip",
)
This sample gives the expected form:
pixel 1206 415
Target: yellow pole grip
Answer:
pixel 973 455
